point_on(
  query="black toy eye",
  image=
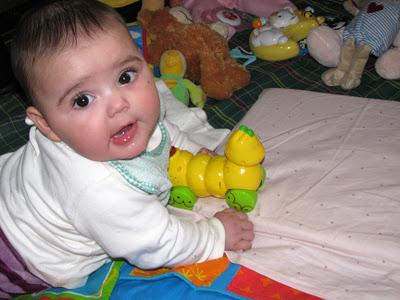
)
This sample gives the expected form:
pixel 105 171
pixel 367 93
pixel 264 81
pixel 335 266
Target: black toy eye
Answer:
pixel 82 101
pixel 126 77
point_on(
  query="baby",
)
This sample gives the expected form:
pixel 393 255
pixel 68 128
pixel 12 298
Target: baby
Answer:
pixel 91 184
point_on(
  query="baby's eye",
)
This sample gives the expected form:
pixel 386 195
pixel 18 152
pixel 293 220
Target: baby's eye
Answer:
pixel 82 101
pixel 126 77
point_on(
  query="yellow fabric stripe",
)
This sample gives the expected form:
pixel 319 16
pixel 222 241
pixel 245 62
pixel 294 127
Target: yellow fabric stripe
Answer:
pixel 119 3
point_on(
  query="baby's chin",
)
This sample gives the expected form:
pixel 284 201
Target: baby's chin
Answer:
pixel 112 154
pixel 130 151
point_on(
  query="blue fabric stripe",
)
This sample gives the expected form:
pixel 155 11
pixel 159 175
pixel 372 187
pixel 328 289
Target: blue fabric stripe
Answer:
pixel 376 28
pixel 172 286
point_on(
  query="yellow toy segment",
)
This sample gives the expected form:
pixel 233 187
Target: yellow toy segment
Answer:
pixel 242 177
pixel 178 165
pixel 300 30
pixel 244 148
pixel 196 170
pixel 215 177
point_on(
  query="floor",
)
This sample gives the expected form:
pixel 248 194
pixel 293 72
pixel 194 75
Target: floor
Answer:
pixel 10 13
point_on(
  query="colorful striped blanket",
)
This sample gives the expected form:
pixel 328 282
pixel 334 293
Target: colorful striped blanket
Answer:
pixel 215 279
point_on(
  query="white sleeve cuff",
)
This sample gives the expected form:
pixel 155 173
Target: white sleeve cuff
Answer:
pixel 219 248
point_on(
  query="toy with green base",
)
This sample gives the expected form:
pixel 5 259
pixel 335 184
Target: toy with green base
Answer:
pixel 235 176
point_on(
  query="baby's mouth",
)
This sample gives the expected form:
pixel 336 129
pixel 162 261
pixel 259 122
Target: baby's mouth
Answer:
pixel 125 134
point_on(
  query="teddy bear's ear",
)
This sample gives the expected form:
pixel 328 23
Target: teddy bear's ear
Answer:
pixel 144 17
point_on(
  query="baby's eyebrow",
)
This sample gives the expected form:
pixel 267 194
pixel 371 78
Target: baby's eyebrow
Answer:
pixel 76 86
pixel 128 60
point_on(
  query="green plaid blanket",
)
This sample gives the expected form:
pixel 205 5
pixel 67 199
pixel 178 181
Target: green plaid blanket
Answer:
pixel 13 131
pixel 301 72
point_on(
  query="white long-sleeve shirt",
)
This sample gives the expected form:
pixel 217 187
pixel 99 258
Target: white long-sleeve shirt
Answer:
pixel 67 215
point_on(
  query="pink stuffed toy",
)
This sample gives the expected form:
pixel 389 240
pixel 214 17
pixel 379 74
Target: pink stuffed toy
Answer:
pixel 213 11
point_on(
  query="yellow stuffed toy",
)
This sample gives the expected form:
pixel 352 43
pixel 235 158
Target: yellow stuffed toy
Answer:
pixel 173 69
pixel 129 9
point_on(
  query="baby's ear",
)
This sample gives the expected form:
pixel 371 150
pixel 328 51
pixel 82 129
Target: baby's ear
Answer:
pixel 40 122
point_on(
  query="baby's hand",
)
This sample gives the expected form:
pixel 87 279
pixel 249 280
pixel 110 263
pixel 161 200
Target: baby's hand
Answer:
pixel 238 229
pixel 204 150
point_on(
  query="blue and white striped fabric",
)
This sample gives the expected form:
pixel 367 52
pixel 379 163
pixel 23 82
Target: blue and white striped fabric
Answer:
pixel 376 25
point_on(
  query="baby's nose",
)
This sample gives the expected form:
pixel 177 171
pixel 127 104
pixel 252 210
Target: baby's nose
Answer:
pixel 117 103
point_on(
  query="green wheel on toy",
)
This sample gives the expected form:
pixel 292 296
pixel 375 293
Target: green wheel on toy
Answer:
pixel 182 197
pixel 241 200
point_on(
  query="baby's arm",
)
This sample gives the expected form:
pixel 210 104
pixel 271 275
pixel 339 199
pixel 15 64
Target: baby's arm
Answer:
pixel 180 139
pixel 130 224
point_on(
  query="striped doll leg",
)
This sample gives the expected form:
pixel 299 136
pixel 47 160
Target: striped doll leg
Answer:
pixel 352 79
pixel 334 76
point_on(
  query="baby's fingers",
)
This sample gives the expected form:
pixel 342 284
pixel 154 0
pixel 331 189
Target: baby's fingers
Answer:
pixel 247 225
pixel 248 235
pixel 242 245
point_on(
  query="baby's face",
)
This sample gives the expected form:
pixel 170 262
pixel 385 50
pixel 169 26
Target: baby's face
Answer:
pixel 99 97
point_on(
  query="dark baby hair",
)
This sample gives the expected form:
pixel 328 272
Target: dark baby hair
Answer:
pixel 54 25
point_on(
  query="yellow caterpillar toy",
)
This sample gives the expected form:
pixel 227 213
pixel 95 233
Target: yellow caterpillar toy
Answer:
pixel 235 176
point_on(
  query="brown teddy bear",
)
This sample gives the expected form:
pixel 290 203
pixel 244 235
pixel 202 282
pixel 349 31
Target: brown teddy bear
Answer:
pixel 206 52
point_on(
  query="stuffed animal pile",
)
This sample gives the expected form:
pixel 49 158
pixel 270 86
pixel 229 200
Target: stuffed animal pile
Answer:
pixel 206 52
pixel 279 37
pixel 375 29
pixel 225 16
